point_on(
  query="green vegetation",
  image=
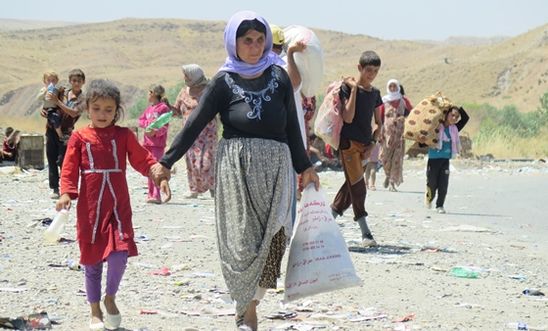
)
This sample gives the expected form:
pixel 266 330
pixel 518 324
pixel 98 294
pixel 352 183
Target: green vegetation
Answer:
pixel 140 105
pixel 507 132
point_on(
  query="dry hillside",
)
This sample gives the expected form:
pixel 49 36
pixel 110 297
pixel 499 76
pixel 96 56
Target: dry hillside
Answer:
pixel 139 52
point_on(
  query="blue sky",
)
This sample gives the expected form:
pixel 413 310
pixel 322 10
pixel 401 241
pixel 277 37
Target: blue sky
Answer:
pixel 395 19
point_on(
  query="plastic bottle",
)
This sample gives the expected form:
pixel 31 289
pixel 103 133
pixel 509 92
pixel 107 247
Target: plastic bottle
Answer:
pixel 53 232
pixel 464 272
pixel 160 121
pixel 73 265
pixel 52 88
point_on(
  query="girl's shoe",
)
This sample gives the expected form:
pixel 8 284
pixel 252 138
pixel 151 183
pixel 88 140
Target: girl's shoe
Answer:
pixel 440 210
pixel 96 326
pixel 112 322
pixel 154 201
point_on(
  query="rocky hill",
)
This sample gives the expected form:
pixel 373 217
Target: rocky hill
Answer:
pixel 139 52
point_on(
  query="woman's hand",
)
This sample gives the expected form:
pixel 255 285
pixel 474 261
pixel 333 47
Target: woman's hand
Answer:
pixel 164 188
pixel 298 46
pixel 159 173
pixel 310 176
pixel 64 202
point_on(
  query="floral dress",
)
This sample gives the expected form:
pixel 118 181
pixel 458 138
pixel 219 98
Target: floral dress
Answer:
pixel 393 146
pixel 200 158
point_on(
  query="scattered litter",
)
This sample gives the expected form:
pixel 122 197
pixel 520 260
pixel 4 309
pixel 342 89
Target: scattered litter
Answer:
pixel 282 315
pixel 38 321
pixel 368 314
pixel 466 228
pixel 203 274
pixel 433 249
pixel 301 326
pixel 148 312
pixel 190 312
pixel 329 317
pixel 141 238
pixel 533 292
pixel 73 265
pixel 522 326
pixel 164 271
pixel 464 272
pixel 176 239
pixel 13 289
pixel 217 290
pixel 182 282
pixel 406 318
pixel 468 305
pixel 519 277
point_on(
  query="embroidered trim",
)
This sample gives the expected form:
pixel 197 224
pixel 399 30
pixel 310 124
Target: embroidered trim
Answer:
pixel 252 98
pixel 105 182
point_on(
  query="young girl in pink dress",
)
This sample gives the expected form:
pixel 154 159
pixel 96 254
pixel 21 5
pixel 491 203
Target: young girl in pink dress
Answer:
pixel 155 140
pixel 96 157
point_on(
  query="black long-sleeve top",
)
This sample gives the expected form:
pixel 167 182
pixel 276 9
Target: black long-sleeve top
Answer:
pixel 463 119
pixel 262 107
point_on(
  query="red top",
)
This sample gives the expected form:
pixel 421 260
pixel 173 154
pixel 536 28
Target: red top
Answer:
pixel 7 148
pixel 98 158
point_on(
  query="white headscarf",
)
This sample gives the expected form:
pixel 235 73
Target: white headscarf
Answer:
pixel 196 75
pixel 391 96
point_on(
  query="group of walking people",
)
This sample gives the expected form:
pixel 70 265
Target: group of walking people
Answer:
pixel 251 171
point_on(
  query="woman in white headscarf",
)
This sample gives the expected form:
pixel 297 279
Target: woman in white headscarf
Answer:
pixel 394 109
pixel 200 158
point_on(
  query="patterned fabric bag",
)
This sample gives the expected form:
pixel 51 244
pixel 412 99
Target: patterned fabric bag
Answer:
pixel 329 121
pixel 422 124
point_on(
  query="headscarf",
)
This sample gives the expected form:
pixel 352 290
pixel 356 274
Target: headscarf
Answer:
pixel 233 63
pixel 195 74
pixel 392 96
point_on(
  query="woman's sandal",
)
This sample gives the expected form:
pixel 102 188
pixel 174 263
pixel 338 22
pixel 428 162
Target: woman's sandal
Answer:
pixel 96 326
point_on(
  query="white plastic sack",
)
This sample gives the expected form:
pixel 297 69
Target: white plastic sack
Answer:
pixel 318 257
pixel 310 61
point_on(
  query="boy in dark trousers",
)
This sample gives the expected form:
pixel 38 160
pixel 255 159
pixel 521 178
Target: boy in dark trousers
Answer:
pixel 362 102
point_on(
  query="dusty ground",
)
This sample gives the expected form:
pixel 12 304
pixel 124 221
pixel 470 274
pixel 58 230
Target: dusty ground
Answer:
pixel 496 222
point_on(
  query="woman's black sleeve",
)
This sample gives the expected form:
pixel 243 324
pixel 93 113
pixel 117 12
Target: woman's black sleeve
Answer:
pixel 206 110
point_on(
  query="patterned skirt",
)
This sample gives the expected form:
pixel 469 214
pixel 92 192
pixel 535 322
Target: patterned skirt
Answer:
pixel 253 195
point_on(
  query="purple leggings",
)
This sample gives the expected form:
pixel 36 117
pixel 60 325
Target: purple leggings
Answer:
pixel 117 262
